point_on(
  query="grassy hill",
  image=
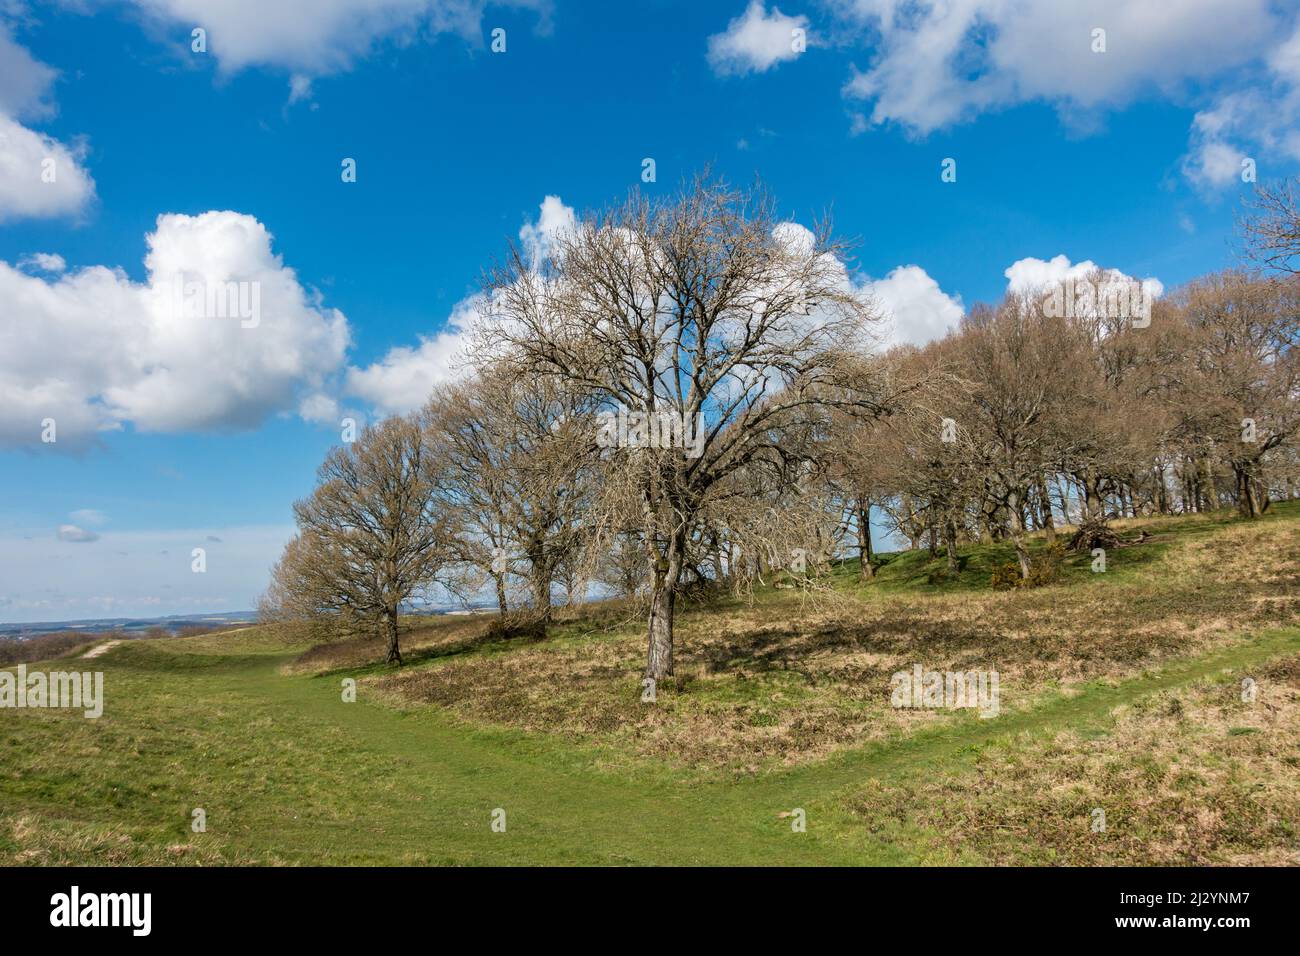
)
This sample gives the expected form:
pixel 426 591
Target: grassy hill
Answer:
pixel 1119 691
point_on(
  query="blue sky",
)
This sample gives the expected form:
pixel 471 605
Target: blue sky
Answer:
pixel 170 436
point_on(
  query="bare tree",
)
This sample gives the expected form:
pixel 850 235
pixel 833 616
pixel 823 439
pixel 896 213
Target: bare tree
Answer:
pixel 856 482
pixel 1022 387
pixel 519 465
pixel 369 536
pixel 1240 372
pixel 620 566
pixel 893 463
pixel 1271 227
pixel 703 326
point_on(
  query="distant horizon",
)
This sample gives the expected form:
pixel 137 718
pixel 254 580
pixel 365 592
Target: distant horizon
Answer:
pixel 6 626
pixel 201 615
pixel 133 617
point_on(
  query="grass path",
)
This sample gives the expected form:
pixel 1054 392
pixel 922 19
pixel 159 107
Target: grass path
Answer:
pixel 288 772
pixel 99 650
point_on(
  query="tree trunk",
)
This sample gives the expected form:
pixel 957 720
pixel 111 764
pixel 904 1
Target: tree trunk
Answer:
pixel 666 573
pixel 1088 503
pixel 950 536
pixel 542 596
pixel 390 631
pixel 864 541
pixel 501 593
pixel 1252 496
pixel 1261 496
pixel 910 528
pixel 1018 534
pixel 1247 494
pixel 663 599
pixel 1045 510
pixel 1209 490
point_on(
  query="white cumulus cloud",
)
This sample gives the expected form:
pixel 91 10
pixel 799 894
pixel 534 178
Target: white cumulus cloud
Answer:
pixel 94 350
pixel 756 41
pixel 1031 274
pixel 43 261
pixel 1258 122
pixel 40 177
pixel 554 219
pixel 402 380
pixel 24 81
pixel 915 309
pixel 316 37
pixel 936 63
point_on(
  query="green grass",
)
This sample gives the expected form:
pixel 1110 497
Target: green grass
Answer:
pixel 915 572
pixel 288 773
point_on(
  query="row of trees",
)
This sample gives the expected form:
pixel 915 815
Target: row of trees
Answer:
pixel 1078 418
pixel 683 395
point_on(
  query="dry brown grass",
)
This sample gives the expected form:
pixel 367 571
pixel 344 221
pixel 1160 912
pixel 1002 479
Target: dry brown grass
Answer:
pixel 421 637
pixel 33 840
pixel 750 692
pixel 1190 777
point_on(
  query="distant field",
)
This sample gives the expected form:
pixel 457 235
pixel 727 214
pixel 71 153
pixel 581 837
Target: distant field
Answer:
pixel 1120 692
pixel 125 625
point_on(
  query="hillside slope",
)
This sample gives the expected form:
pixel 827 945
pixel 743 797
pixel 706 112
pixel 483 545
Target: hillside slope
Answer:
pixel 1119 692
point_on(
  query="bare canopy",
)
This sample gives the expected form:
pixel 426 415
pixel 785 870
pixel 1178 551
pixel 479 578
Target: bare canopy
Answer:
pixel 706 329
pixel 369 536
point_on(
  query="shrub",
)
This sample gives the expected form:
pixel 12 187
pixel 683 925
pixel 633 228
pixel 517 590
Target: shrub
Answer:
pixel 47 646
pixel 1005 577
pixel 1044 568
pixel 516 624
